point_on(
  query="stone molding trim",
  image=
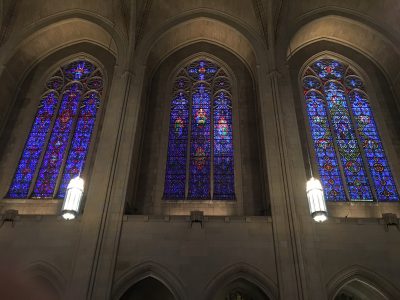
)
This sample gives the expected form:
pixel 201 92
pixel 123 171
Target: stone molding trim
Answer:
pixel 179 32
pixel 348 32
pixel 143 271
pixel 357 272
pixel 50 273
pixel 242 271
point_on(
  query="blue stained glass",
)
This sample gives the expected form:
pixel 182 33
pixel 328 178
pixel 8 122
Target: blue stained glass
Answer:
pixel 78 70
pixel 324 148
pixel 196 117
pixel 353 82
pixel 55 83
pixel 33 148
pixel 370 140
pixel 200 149
pixel 95 83
pixel 72 80
pixel 221 83
pixel 81 140
pixel 311 82
pixel 175 177
pixel 223 143
pixel 329 69
pixel 58 144
pixel 350 154
pixel 337 108
pixel 202 70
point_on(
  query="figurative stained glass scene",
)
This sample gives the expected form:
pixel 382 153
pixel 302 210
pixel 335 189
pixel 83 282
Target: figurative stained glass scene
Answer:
pixel 348 150
pixel 58 143
pixel 200 135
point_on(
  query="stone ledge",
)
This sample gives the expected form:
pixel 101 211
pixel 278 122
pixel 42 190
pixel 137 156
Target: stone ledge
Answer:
pixel 355 221
pixel 362 210
pixel 32 206
pixel 181 218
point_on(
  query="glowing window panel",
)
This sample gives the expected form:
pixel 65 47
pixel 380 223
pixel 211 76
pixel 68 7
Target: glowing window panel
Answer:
pixel 323 145
pixel 202 71
pixel 347 145
pixel 81 140
pixel 223 144
pixel 203 124
pixel 34 146
pixel 78 70
pixel 200 145
pixel 175 177
pixel 65 139
pixel 372 145
pixel 58 143
pixel 356 177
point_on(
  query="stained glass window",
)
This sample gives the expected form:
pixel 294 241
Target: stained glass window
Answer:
pixel 200 147
pixel 348 150
pixel 59 140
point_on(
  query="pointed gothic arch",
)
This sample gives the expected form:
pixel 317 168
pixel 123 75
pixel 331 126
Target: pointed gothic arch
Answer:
pixel 350 33
pixel 183 30
pixel 346 146
pixel 241 273
pixel 159 111
pixel 200 162
pixel 146 270
pixel 365 276
pixel 64 123
pixel 148 288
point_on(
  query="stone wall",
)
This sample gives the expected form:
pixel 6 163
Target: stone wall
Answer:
pixel 265 44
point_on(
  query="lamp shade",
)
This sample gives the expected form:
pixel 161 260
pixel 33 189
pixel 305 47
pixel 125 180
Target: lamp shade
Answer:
pixel 316 200
pixel 73 198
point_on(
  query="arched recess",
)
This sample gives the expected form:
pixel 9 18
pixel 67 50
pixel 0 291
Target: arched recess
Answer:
pixel 148 288
pixel 382 100
pixel 359 290
pixel 48 276
pixel 147 192
pixel 177 35
pixel 23 52
pixel 365 280
pixel 145 270
pixel 202 25
pixel 350 33
pixel 237 275
pixel 349 13
pixel 24 104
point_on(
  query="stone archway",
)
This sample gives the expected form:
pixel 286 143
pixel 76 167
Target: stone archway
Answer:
pixel 359 290
pixel 148 288
pixel 242 281
pixel 241 289
pixel 145 277
pixel 359 283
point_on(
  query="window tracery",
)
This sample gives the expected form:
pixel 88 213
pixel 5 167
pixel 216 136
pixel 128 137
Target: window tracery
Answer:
pixel 200 147
pixel 58 143
pixel 349 153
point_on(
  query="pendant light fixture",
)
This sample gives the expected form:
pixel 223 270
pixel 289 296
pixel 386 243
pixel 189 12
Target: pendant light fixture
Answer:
pixel 316 198
pixel 73 198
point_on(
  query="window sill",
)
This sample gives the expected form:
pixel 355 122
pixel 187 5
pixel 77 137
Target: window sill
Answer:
pixel 198 201
pixel 209 207
pixel 32 206
pixel 362 209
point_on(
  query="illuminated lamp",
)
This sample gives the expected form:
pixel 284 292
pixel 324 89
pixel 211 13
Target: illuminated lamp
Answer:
pixel 73 198
pixel 316 200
